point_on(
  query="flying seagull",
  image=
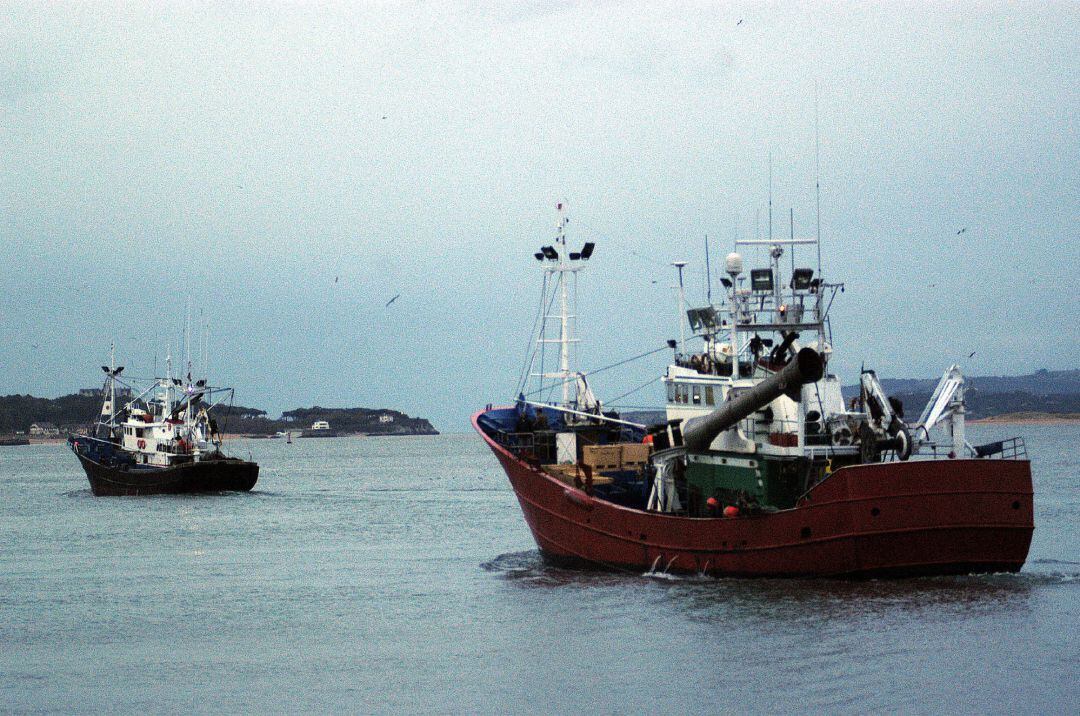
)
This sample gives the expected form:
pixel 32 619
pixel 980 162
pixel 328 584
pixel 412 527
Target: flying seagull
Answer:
pixel 739 22
pixel 335 279
pixel 391 300
pixel 962 231
pixel 971 354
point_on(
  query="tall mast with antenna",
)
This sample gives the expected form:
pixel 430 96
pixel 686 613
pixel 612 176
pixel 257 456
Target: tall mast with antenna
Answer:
pixel 559 261
pixel 791 235
pixel 187 339
pixel 770 196
pixel 817 176
pixel 564 310
pixel 112 384
pixel 817 211
pixel 680 265
pixel 708 273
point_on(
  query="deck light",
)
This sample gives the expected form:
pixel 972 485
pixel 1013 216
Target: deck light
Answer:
pixel 801 278
pixel 587 249
pixel 550 252
pixel 761 279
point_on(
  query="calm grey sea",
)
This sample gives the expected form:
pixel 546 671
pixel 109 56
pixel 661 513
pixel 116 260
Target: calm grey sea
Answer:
pixel 397 575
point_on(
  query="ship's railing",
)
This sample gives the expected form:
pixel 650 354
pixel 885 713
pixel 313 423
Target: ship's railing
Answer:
pixel 1008 449
pixel 538 447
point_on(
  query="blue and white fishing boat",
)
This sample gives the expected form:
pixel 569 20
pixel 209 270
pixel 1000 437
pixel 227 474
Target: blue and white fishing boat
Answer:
pixel 164 440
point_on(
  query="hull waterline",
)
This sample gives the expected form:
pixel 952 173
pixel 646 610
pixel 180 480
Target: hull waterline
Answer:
pixel 218 475
pixel 920 517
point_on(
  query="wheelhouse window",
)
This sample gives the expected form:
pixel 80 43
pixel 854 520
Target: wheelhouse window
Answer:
pixel 697 395
pixel 709 395
pixel 671 392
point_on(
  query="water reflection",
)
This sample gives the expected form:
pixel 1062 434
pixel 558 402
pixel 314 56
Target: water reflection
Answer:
pixel 795 602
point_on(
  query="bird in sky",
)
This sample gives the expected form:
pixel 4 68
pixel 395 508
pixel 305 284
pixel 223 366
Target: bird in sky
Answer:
pixel 392 300
pixel 336 278
pixel 739 22
pixel 962 231
pixel 971 354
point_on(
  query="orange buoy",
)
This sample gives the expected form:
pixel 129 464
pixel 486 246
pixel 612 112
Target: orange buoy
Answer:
pixel 731 511
pixel 712 502
pixel 647 440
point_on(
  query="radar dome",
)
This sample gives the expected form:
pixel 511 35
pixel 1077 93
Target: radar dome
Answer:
pixel 733 264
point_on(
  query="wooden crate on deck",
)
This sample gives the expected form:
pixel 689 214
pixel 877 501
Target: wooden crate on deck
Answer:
pixel 620 456
pixel 602 457
pixel 572 475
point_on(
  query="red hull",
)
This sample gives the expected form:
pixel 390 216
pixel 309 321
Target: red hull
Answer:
pixel 888 519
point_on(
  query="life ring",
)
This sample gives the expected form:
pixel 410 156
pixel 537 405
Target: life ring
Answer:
pixel 142 443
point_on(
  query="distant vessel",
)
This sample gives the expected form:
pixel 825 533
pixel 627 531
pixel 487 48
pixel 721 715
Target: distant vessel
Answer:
pixel 761 468
pixel 165 440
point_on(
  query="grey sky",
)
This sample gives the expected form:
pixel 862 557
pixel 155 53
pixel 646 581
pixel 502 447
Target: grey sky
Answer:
pixel 245 155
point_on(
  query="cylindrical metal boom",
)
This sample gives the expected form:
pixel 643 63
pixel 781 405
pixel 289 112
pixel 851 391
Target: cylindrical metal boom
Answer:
pixel 698 433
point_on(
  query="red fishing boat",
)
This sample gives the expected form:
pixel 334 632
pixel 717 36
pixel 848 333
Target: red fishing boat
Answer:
pixel 761 467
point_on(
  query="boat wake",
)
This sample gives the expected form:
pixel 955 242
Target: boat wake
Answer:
pixel 531 566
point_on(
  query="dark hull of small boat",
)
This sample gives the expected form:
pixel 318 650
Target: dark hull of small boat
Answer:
pixel 218 475
pixel 894 519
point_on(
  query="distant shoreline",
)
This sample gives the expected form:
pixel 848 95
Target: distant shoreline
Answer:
pixel 246 436
pixel 1030 418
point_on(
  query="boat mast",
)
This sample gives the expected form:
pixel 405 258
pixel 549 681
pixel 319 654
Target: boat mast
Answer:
pixel 558 261
pixel 112 384
pixel 168 382
pixel 564 309
pixel 733 264
pixel 817 201
pixel 679 266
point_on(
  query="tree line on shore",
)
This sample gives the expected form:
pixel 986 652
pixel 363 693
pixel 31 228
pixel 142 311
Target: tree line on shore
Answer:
pixel 70 413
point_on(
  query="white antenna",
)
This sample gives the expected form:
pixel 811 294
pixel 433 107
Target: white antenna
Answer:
pixel 680 265
pixel 187 337
pixel 770 196
pixel 817 176
pixel 203 358
pixel 708 273
pixel 564 310
pixel 112 385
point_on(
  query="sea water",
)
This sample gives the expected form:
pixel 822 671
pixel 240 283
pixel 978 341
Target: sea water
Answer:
pixel 397 575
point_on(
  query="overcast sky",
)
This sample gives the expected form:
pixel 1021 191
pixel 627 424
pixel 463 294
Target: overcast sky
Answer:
pixel 287 169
